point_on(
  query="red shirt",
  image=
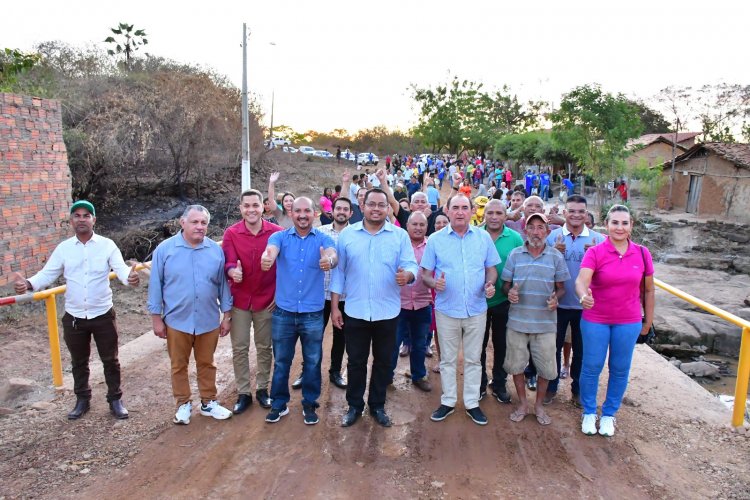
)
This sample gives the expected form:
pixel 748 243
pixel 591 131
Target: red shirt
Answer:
pixel 257 289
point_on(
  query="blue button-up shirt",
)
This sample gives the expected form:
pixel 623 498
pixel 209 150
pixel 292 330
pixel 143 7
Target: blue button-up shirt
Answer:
pixel 463 260
pixel 188 286
pixel 299 279
pixel 367 270
pixel 575 248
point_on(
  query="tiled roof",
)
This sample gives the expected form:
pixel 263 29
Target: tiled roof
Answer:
pixel 737 153
pixel 668 137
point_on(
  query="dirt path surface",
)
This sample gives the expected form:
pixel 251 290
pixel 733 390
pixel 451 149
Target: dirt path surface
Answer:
pixel 671 441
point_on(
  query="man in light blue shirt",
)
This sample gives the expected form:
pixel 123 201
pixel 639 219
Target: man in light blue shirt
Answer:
pixel 433 195
pixel 302 254
pixel 187 292
pixel 375 259
pixel 462 259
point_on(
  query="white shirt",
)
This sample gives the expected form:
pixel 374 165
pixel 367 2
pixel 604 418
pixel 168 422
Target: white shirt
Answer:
pixel 86 270
pixel 374 181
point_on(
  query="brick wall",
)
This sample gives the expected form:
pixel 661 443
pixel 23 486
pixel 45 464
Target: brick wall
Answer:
pixel 34 183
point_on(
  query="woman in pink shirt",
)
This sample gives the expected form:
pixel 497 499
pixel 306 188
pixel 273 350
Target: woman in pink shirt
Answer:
pixel 326 207
pixel 609 288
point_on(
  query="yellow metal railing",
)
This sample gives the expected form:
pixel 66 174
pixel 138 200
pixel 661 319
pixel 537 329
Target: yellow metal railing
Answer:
pixel 743 367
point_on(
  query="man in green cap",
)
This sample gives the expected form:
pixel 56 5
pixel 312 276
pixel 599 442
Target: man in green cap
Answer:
pixel 85 261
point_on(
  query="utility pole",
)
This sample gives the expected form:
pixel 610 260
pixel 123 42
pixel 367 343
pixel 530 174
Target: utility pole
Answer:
pixel 271 134
pixel 246 182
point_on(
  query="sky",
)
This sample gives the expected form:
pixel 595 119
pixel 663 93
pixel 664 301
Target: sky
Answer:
pixel 350 64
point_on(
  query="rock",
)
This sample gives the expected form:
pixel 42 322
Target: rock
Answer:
pixel 674 361
pixel 744 313
pixel 43 406
pixel 747 300
pixel 15 388
pixel 6 411
pixel 700 369
pixel 742 264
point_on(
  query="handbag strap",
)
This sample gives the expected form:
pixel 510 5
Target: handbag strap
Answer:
pixel 643 279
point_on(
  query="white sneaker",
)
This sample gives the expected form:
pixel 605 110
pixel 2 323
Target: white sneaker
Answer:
pixel 214 409
pixel 588 424
pixel 607 426
pixel 183 414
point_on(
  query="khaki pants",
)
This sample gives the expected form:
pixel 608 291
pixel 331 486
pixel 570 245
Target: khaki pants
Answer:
pixel 453 332
pixel 179 346
pixel 260 322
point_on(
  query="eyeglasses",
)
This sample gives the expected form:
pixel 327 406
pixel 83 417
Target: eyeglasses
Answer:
pixel 372 204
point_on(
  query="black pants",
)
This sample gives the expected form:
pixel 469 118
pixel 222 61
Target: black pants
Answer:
pixel 338 347
pixel 497 321
pixel 360 335
pixel 77 333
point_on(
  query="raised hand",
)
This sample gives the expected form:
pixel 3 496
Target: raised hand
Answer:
pixel 402 277
pixel 266 260
pixel 346 177
pixel 133 278
pixel 440 283
pixel 560 243
pixel 19 283
pixel 514 294
pixel 380 174
pixel 274 177
pixel 587 301
pixel 325 262
pixel 236 273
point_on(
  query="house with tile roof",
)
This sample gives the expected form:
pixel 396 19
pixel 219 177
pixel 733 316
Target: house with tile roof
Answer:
pixel 711 178
pixel 657 148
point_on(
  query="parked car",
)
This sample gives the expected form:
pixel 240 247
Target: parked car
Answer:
pixel 280 141
pixel 308 150
pixel 290 149
pixel 323 154
pixel 367 159
pixel 347 156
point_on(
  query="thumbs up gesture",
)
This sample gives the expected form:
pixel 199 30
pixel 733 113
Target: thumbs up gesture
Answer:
pixel 587 301
pixel 552 301
pixel 440 283
pixel 266 260
pixel 403 277
pixel 560 243
pixel 594 242
pixel 133 278
pixel 326 263
pixel 236 273
pixel 19 283
pixel 489 290
pixel 514 294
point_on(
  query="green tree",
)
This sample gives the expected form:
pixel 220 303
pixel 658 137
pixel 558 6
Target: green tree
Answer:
pixel 14 63
pixel 653 121
pixel 127 42
pixel 595 126
pixel 651 180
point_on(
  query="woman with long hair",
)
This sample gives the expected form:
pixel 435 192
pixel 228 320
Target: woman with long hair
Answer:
pixel 616 277
pixel 326 207
pixel 284 214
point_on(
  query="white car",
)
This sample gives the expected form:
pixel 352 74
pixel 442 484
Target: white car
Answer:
pixel 289 149
pixel 280 141
pixel 308 150
pixel 367 159
pixel 347 156
pixel 323 154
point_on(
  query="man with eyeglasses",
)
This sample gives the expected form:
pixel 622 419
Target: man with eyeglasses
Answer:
pixel 373 302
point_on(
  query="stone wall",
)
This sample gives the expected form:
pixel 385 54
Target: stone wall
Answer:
pixel 35 183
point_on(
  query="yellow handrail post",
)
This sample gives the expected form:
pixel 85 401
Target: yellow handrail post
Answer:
pixel 743 376
pixel 54 340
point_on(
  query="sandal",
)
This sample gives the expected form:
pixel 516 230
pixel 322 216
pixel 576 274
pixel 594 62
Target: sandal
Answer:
pixel 518 415
pixel 543 419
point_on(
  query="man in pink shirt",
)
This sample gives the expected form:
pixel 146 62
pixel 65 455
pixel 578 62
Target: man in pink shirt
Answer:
pixel 253 298
pixel 416 309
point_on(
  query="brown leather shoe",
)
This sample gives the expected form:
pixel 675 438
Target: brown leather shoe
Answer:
pixel 422 384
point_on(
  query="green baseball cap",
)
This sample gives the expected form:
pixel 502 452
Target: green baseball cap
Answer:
pixel 83 204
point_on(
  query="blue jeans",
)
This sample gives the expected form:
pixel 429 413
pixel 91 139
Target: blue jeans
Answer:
pixel 413 328
pixel 544 192
pixel 619 340
pixel 286 328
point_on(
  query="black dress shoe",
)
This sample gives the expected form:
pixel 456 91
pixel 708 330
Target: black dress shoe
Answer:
pixel 381 417
pixel 351 416
pixel 118 409
pixel 244 401
pixel 263 400
pixel 337 380
pixel 82 406
pixel 297 384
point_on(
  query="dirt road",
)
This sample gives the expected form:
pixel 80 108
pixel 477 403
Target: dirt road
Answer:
pixel 657 453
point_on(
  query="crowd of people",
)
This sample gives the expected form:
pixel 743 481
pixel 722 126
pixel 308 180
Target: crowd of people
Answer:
pixel 391 265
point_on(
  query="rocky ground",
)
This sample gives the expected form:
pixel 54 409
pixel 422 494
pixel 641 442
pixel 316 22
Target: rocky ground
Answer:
pixel 672 437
